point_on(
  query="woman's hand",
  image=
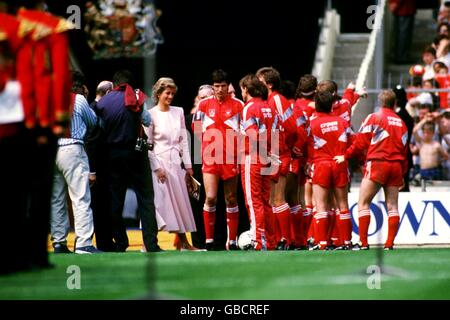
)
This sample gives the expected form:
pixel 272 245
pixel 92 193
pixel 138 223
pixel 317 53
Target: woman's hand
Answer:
pixel 189 171
pixel 161 174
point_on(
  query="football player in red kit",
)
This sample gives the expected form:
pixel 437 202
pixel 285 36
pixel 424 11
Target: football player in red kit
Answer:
pixel 384 135
pixel 256 127
pixel 328 137
pixel 304 103
pixel 271 78
pixel 342 107
pixel 219 117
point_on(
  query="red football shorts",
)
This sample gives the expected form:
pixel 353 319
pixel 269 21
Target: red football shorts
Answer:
pixel 386 173
pixel 224 171
pixel 329 174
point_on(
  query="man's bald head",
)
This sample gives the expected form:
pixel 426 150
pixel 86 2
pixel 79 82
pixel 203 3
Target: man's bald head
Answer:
pixel 103 88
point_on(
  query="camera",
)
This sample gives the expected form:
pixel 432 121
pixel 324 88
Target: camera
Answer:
pixel 142 145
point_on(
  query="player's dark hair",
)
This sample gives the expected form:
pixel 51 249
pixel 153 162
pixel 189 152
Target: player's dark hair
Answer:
pixel 219 76
pixel 324 101
pixel 255 87
pixel 271 76
pixel 306 87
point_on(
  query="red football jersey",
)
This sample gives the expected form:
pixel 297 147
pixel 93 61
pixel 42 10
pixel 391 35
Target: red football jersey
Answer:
pixel 258 121
pixel 219 120
pixel 285 113
pixel 384 135
pixel 329 136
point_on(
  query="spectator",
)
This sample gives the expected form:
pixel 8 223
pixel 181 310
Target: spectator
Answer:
pixel 431 151
pixel 428 58
pixel 72 172
pixel 443 79
pixel 444 29
pixel 442 50
pixel 122 114
pixel 404 12
pixel 444 12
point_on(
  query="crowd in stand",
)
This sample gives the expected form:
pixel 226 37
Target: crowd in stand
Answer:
pixel 430 110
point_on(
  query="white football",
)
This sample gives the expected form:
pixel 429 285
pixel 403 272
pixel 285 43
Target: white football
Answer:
pixel 245 241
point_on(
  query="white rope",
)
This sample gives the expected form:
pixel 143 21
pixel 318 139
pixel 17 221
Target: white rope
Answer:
pixel 364 68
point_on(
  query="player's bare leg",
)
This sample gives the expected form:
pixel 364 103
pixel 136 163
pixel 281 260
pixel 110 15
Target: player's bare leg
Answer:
pixel 367 192
pixel 391 196
pixel 321 198
pixel 343 220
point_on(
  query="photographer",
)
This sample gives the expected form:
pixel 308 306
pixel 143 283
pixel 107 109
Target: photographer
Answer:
pixel 122 114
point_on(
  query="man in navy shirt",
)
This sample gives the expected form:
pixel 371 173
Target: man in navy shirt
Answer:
pixel 122 112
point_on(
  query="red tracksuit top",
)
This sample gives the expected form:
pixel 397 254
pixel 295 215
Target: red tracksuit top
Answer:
pixel 224 116
pixel 304 105
pixel 343 108
pixel 258 121
pixel 385 136
pixel 329 136
pixel 288 127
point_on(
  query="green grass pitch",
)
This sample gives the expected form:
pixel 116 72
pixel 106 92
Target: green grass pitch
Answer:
pixel 289 275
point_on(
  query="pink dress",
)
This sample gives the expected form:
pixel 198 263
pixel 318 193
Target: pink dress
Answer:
pixel 171 197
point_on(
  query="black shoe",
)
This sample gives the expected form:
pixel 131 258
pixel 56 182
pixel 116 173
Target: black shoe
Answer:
pixel 358 247
pixel 301 248
pixel 388 248
pixel 156 249
pixel 232 247
pixel 210 246
pixel 314 247
pixel 344 247
pixel 87 250
pixel 330 247
pixel 60 248
pixel 282 245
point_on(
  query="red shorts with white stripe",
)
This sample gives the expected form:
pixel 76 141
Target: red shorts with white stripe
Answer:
pixel 224 171
pixel 386 173
pixel 329 174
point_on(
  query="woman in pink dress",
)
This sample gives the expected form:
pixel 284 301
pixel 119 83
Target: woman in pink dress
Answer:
pixel 169 137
